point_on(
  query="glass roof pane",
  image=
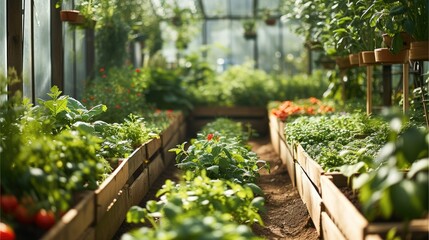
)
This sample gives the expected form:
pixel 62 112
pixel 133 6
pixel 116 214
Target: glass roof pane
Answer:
pixel 241 7
pixel 269 4
pixel 216 8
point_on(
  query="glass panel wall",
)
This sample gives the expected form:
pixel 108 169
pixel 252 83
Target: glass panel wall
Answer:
pixel 3 37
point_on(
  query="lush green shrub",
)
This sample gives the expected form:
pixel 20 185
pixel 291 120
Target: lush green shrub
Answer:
pixel 122 90
pixel 206 195
pixel 338 139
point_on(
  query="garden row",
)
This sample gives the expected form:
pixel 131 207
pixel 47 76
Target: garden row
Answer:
pixel 358 177
pixel 216 198
pixel 66 175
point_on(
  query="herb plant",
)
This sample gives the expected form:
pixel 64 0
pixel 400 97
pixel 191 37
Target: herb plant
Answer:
pixel 221 158
pixel 207 195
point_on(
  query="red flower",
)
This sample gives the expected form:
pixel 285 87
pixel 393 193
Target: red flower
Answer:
pixel 104 76
pixel 91 98
pixel 101 70
pixel 118 106
pixel 84 100
pixel 209 136
pixel 138 94
pixel 138 70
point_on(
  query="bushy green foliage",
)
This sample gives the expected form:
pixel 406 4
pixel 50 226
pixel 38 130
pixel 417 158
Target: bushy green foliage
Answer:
pixel 384 191
pixel 338 139
pixel 122 90
pixel 229 129
pixel 207 195
pixel 193 224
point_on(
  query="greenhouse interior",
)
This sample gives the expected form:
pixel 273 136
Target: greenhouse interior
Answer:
pixel 203 119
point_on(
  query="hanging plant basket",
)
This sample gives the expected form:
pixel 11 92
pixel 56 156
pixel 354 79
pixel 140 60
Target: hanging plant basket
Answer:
pixel 419 51
pixel 385 56
pixel 270 21
pixel 250 35
pixel 72 16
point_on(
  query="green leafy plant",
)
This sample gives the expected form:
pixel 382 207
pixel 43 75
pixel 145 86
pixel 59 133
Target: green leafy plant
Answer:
pixel 122 90
pixel 207 195
pixel 338 139
pixel 194 224
pixel 221 157
pixel 384 191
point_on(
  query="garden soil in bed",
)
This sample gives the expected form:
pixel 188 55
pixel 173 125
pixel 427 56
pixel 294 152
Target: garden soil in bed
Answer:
pixel 286 216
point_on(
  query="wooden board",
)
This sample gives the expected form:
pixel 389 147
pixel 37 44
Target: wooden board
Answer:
pixel 274 137
pixel 311 198
pixel 169 132
pixel 330 231
pixel 76 220
pixel 113 217
pixel 136 159
pixel 183 132
pixel 287 159
pixel 352 223
pixel 156 167
pixel 89 234
pixel 152 147
pixel 298 178
pixel 109 189
pixel 139 188
pixel 311 167
pixel 167 155
pixel 257 117
pixel 229 112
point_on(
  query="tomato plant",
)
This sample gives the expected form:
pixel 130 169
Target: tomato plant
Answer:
pixel 44 219
pixel 8 203
pixel 23 215
pixel 6 232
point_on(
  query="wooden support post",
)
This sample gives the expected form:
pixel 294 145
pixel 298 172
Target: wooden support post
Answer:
pixel 405 77
pixel 369 70
pixel 14 42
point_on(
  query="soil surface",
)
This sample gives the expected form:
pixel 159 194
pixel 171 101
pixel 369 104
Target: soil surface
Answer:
pixel 285 215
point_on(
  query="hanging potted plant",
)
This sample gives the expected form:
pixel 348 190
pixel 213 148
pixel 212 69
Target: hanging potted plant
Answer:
pixel 269 18
pixel 82 15
pixel 389 18
pixel 416 22
pixel 249 27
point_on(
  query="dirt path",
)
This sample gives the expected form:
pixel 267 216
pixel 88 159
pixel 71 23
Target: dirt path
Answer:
pixel 286 216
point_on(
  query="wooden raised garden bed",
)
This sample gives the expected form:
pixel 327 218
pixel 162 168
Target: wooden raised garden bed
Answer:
pixel 257 117
pixel 348 220
pixel 284 149
pixel 310 196
pixel 99 214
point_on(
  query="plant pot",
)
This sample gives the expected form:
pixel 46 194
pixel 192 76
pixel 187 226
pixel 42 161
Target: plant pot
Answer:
pixel 367 58
pixel 354 59
pixel 72 16
pixel 385 56
pixel 419 51
pixel 249 35
pixel 270 21
pixel 406 38
pixel 343 62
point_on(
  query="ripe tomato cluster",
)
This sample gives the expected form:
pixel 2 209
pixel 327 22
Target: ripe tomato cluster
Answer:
pixel 23 213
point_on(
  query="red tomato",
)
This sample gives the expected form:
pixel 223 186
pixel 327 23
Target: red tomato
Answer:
pixel 23 215
pixel 8 203
pixel 45 219
pixel 6 232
